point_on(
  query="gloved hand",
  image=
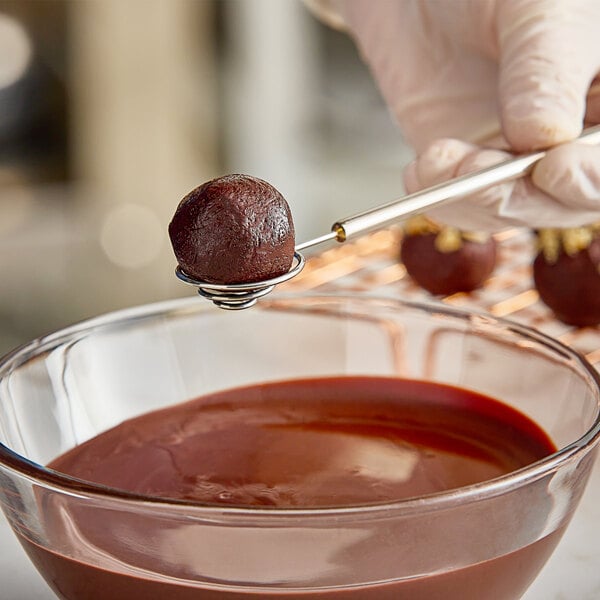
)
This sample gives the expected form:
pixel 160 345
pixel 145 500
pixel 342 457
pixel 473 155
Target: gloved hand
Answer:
pixel 512 75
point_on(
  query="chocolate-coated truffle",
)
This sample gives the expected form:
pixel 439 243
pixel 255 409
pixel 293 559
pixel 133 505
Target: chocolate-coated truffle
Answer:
pixel 447 261
pixel 233 229
pixel 566 274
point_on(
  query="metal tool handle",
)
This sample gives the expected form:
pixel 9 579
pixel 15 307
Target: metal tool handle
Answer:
pixel 444 192
pixel 239 296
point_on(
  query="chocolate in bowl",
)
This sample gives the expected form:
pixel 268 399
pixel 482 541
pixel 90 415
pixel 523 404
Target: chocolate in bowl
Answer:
pixel 87 539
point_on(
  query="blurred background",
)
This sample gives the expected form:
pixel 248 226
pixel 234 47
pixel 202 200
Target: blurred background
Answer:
pixel 112 110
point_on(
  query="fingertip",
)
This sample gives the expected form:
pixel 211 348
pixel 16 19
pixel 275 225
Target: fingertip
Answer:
pixel 411 180
pixel 545 71
pixel 534 128
pixel 441 159
pixel 491 202
pixel 481 160
pixel 571 174
pixel 550 169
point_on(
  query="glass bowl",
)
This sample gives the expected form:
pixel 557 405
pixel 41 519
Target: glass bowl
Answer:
pixel 483 541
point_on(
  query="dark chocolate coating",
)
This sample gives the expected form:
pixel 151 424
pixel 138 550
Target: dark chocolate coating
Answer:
pixel 570 287
pixel 446 273
pixel 233 229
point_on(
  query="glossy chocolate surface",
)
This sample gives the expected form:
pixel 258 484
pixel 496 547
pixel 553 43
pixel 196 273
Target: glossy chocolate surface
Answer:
pixel 309 443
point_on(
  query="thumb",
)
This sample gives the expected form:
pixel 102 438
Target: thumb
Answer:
pixel 548 55
pixel 571 173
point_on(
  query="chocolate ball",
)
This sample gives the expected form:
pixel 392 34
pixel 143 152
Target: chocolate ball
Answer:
pixel 233 229
pixel 448 265
pixel 568 282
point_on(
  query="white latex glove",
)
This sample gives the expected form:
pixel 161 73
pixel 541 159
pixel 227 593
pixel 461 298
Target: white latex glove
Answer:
pixel 510 74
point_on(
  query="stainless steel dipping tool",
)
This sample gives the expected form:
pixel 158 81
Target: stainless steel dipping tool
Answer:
pixel 243 295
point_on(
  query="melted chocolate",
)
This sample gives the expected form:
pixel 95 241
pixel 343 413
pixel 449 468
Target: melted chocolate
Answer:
pixel 312 443
pixel 309 443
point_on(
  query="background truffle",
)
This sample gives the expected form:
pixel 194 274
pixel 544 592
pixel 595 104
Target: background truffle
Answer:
pixel 444 260
pixel 566 274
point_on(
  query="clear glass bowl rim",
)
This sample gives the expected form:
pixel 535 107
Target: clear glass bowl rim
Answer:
pixel 53 480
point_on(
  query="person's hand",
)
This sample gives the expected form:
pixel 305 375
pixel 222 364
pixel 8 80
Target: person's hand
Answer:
pixel 469 80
